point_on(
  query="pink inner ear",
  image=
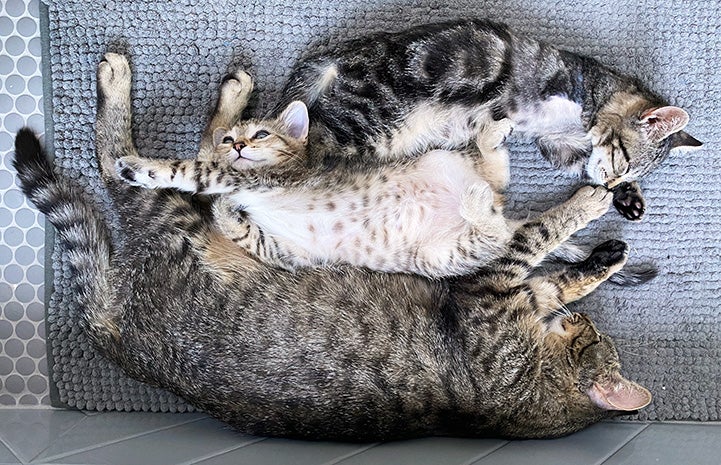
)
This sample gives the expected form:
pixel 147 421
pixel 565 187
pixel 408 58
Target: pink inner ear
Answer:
pixel 664 121
pixel 619 394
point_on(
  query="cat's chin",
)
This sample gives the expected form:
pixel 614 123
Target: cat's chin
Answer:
pixel 244 163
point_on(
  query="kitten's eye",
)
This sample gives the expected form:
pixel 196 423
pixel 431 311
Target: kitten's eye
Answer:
pixel 261 134
pixel 228 140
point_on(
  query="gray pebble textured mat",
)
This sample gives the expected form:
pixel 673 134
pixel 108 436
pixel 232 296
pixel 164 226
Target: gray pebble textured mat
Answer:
pixel 668 331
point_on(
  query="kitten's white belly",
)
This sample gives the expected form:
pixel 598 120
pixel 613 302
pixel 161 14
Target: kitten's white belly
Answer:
pixel 448 126
pixel 411 222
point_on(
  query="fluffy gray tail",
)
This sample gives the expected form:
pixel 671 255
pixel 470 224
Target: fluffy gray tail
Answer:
pixel 628 276
pixel 80 230
pixel 633 276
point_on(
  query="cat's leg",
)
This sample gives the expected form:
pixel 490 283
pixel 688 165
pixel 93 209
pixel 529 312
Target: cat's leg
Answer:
pixel 535 239
pixel 235 225
pixel 494 162
pixel 579 279
pixel 628 200
pixel 235 91
pixel 113 136
pixel 185 175
pixel 208 177
pixel 477 204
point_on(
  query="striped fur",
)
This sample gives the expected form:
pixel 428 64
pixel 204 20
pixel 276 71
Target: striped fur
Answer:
pixel 394 95
pixel 434 215
pixel 325 353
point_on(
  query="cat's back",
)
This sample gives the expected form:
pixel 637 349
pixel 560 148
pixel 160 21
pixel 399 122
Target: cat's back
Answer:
pixel 392 68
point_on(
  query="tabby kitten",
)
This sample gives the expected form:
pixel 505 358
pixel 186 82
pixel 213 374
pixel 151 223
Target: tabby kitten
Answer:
pixel 433 215
pixel 396 95
pixel 325 353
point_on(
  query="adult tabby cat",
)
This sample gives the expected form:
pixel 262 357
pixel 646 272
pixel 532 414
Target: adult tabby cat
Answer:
pixel 442 85
pixel 330 354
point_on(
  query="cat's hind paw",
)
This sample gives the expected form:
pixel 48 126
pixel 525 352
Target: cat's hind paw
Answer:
pixel 133 171
pixel 114 77
pixel 476 203
pixel 628 200
pixel 611 254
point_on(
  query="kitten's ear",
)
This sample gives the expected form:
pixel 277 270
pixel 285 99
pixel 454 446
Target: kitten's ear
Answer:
pixel 659 123
pixel 618 393
pixel 219 134
pixel 684 140
pixel 295 119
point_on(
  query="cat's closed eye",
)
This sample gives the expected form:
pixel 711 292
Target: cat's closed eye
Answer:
pixel 262 134
pixel 228 140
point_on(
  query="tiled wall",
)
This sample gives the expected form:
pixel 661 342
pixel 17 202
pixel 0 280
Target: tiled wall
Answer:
pixel 23 367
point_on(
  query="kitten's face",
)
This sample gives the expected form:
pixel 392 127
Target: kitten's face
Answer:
pixel 589 368
pixel 256 143
pixel 632 137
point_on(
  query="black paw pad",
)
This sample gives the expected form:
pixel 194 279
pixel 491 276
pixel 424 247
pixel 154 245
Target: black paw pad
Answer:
pixel 609 253
pixel 629 201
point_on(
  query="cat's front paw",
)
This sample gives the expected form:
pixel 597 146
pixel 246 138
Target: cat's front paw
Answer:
pixel 494 134
pixel 235 91
pixel 133 171
pixel 592 201
pixel 628 200
pixel 114 77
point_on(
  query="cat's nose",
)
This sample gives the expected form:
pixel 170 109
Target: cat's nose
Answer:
pixel 239 146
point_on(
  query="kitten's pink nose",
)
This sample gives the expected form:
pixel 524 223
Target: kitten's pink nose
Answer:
pixel 238 146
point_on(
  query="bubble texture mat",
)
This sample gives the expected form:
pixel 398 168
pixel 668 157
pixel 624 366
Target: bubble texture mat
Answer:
pixel 668 331
pixel 23 366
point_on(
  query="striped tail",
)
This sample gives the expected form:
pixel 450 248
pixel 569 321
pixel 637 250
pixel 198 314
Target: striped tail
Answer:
pixel 79 229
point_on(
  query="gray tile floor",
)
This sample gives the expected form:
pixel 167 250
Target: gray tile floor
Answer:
pixel 44 436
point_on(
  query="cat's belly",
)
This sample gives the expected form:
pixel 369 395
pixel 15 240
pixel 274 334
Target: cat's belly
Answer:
pixel 434 217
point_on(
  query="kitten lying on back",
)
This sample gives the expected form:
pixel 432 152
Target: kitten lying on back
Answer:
pixel 440 86
pixel 433 215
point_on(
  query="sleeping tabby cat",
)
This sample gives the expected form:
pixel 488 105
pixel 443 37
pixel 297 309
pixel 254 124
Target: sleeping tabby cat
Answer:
pixel 440 86
pixel 327 353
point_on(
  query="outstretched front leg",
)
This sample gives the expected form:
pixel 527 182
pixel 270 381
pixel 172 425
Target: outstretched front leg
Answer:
pixel 534 240
pixel 235 91
pixel 494 163
pixel 579 279
pixel 198 177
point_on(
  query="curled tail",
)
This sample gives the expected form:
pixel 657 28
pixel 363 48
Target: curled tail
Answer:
pixel 79 229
